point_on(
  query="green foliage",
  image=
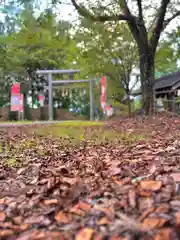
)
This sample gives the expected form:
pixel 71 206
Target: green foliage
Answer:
pixel 108 49
pixel 40 43
pixel 166 58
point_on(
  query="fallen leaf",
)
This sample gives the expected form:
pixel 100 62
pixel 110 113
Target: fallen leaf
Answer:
pixel 85 234
pixel 151 185
pixel 176 177
pixel 118 238
pixel 107 211
pixel 178 219
pixel 146 213
pixel 145 203
pixel 164 234
pixel 70 181
pixel 63 218
pixel 2 216
pixel 98 237
pixel 18 220
pixel 114 170
pixel 3 201
pixel 103 221
pixel 76 210
pixel 144 193
pixel 152 223
pixel 84 206
pixel 37 235
pixel 122 181
pixel 50 201
pixel 6 233
pixel 163 208
pixel 55 236
pixel 24 226
pixel 34 219
pixel 132 198
pixel 152 169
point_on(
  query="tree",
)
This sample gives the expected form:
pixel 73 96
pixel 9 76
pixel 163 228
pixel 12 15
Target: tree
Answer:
pixel 110 50
pixel 38 43
pixel 145 28
pixel 166 61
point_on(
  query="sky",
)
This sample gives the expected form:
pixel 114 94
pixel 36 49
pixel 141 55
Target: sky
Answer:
pixel 65 11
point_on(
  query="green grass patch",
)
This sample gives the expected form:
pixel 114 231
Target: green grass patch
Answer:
pixel 17 122
pixel 12 162
pixel 80 123
pixel 97 134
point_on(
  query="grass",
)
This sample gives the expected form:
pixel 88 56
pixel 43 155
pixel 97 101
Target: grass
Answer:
pixel 80 123
pixel 12 162
pixel 80 131
pixel 66 123
pixel 16 122
pixel 67 134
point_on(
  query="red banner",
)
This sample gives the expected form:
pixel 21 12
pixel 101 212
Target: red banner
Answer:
pixel 41 100
pixel 15 89
pixel 15 97
pixel 21 107
pixel 103 92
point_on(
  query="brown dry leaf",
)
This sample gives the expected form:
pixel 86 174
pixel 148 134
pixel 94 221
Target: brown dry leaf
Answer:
pixel 114 170
pixel 145 203
pixel 2 216
pixel 50 201
pixel 85 234
pixel 6 233
pixel 146 213
pixel 62 217
pixel 103 221
pixel 178 219
pixel 98 237
pixel 163 234
pixel 84 206
pixel 119 182
pixel 3 201
pixel 55 236
pixel 24 226
pixel 163 208
pixel 108 211
pixel 176 177
pixel 76 190
pixel 118 238
pixel 70 181
pixel 18 220
pixel 76 210
pixel 122 181
pixel 151 185
pixel 132 198
pixel 152 169
pixel 144 193
pixel 37 235
pixel 152 223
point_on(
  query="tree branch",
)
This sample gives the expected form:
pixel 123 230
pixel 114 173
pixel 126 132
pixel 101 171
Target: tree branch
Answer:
pixel 167 21
pixel 85 13
pixel 159 25
pixel 139 3
pixel 133 24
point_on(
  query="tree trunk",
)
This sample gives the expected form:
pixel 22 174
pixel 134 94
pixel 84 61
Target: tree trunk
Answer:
pixel 147 82
pixel 129 105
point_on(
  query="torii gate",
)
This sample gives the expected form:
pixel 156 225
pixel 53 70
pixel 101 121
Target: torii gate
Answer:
pixel 71 72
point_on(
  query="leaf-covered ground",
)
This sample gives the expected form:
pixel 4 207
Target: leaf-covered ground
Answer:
pixel 118 181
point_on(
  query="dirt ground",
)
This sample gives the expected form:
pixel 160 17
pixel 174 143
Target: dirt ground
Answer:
pixel 124 188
